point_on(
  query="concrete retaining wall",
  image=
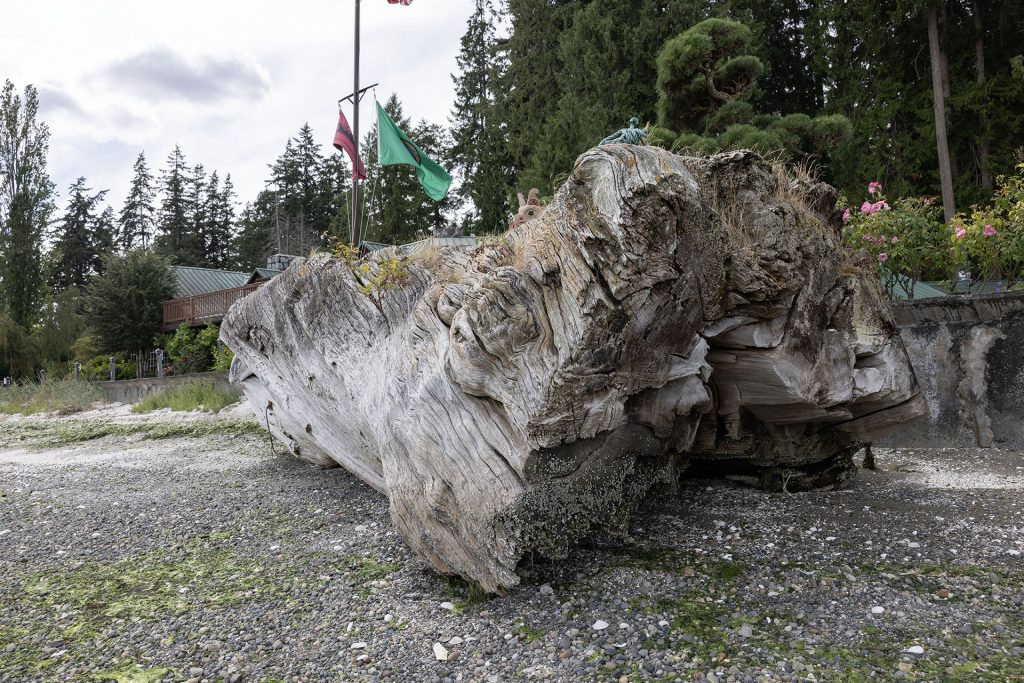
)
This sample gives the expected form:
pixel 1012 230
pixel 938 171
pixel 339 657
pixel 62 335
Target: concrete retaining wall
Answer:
pixel 968 354
pixel 132 390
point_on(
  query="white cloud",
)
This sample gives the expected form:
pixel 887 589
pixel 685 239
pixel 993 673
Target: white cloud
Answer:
pixel 160 73
pixel 229 81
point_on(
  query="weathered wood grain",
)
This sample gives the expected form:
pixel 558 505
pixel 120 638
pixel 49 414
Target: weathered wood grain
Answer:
pixel 662 311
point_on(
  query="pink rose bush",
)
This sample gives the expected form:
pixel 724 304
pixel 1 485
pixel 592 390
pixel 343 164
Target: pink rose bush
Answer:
pixel 905 238
pixel 908 240
pixel 989 241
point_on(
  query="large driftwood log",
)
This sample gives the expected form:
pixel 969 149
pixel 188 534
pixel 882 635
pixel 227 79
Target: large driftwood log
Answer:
pixel 508 399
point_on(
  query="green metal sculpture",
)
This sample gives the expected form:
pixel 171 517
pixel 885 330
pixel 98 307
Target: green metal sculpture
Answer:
pixel 627 136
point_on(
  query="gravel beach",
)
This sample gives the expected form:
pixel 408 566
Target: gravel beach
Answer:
pixel 179 547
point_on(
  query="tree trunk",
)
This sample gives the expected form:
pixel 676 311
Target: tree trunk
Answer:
pixel 947 82
pixel 938 99
pixel 979 65
pixel 511 398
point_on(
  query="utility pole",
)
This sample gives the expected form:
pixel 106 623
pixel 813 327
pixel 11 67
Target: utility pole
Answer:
pixel 355 97
pixel 355 139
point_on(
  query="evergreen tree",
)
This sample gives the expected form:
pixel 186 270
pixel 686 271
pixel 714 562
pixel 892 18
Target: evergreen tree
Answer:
pixel 220 222
pixel 880 79
pixel 530 85
pixel 105 237
pixel 703 69
pixel 173 218
pixel 608 75
pixel 479 149
pixel 397 211
pixel 135 222
pixel 333 190
pixel 433 216
pixel 192 247
pixel 26 203
pixel 124 306
pixel 305 200
pixel 255 239
pixel 81 239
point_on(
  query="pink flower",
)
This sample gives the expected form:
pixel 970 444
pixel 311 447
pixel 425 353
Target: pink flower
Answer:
pixel 895 239
pixel 846 217
pixel 874 187
pixel 880 206
pixel 989 231
pixel 867 207
pixel 883 257
pixel 960 232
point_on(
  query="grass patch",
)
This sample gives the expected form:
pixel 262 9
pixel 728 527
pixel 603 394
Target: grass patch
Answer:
pixel 465 594
pixel 202 395
pixel 530 634
pixel 364 570
pixel 670 560
pixel 45 435
pixel 61 397
pixel 133 673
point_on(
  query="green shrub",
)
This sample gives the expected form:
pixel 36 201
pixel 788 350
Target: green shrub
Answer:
pixel 222 359
pixel 17 350
pixel 189 351
pixel 661 137
pixel 205 396
pixel 97 369
pixel 907 240
pixel 989 241
pixel 62 397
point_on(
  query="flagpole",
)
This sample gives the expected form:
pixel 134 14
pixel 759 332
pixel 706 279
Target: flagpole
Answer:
pixel 355 139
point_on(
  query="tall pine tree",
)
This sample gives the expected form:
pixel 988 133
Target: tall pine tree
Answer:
pixel 220 218
pixel 81 239
pixel 135 222
pixel 173 218
pixel 192 248
pixel 479 150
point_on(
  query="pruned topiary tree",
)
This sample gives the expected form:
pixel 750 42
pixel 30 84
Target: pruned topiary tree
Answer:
pixel 703 68
pixel 707 77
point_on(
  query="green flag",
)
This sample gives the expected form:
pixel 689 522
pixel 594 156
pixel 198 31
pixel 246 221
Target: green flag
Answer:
pixel 395 147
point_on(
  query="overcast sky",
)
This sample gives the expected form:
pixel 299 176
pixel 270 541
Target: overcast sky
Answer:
pixel 229 81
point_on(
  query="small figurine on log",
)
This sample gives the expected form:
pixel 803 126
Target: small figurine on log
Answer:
pixel 528 210
pixel 628 136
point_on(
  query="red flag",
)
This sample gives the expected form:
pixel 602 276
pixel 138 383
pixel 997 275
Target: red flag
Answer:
pixel 344 142
pixel 399 2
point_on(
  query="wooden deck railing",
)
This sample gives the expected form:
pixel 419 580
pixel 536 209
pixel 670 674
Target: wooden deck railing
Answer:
pixel 204 308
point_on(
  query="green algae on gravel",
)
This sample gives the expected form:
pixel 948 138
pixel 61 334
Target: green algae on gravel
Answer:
pixel 52 434
pixel 133 673
pixel 363 571
pixel 82 602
